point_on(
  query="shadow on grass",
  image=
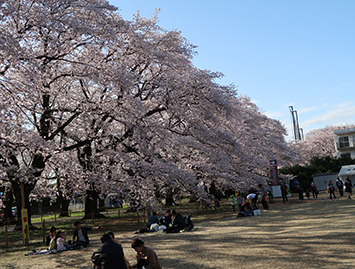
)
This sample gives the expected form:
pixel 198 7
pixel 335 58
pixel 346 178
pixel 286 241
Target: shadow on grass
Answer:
pixel 308 234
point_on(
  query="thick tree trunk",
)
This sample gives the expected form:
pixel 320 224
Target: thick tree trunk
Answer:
pixel 91 205
pixel 192 199
pixel 64 203
pixel 64 208
pixel 169 199
pixel 101 205
pixel 8 202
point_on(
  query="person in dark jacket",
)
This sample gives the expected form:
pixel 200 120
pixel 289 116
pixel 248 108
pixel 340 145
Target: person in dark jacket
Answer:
pixel 284 192
pixel 340 186
pixel 166 220
pixel 348 187
pixel 178 223
pixel 81 234
pixel 109 255
pixel 300 192
pixel 152 219
pixel 314 190
pixel 331 190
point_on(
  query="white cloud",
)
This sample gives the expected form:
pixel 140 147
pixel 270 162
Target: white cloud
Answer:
pixel 342 113
pixel 308 109
pixel 274 114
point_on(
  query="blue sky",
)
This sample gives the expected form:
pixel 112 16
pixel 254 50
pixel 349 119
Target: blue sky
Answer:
pixel 279 53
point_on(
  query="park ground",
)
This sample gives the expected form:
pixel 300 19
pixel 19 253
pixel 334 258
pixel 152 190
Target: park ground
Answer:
pixel 309 234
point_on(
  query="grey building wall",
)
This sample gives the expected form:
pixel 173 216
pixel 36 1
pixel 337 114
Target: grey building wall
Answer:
pixel 322 180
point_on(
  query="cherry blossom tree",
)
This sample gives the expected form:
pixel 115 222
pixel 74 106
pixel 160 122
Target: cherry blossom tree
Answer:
pixel 98 104
pixel 47 56
pixel 318 143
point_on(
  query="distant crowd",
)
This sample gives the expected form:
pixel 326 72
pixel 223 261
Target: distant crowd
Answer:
pixel 339 185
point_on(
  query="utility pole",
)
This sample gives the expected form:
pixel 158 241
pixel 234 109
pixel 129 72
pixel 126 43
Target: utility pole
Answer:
pixel 296 128
pixel 302 136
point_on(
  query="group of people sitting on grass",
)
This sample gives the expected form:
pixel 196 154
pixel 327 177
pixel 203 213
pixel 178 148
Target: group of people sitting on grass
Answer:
pixel 109 255
pixel 172 222
pixel 56 240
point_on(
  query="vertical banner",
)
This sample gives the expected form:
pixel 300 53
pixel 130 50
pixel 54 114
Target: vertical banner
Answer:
pixel 274 175
pixel 25 228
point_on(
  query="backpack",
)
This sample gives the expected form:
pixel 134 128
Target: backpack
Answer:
pixel 95 259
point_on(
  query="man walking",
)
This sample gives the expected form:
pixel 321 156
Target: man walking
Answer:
pixel 284 192
pixel 340 186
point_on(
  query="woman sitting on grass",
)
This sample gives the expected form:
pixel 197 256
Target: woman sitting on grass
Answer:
pixel 51 235
pixel 145 256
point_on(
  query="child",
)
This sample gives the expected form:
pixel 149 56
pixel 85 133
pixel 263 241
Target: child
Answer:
pixel 233 202
pixel 240 202
pixel 61 245
pixel 308 195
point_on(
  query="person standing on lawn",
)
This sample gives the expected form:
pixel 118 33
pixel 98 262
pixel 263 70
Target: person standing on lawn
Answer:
pixel 300 192
pixel 263 192
pixel 284 191
pixel 348 187
pixel 239 201
pixel 314 190
pixel 253 198
pixel 340 186
pixel 331 190
pixel 233 202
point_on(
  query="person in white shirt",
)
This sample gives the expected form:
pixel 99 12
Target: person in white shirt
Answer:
pixel 253 198
pixel 60 240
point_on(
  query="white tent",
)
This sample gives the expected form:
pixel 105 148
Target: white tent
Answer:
pixel 347 171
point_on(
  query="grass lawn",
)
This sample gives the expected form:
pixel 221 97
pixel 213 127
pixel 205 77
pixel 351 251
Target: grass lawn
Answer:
pixel 309 234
